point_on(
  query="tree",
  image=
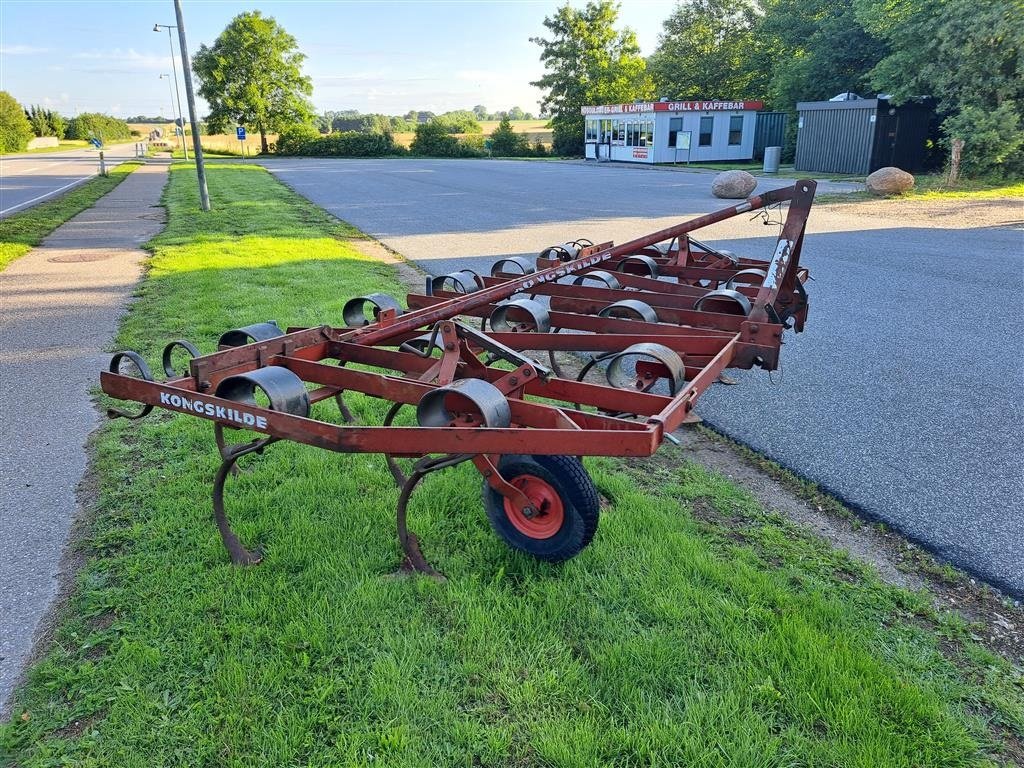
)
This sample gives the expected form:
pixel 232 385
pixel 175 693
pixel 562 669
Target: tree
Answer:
pixel 252 75
pixel 58 125
pixel 505 142
pixel 37 119
pixel 458 121
pixel 480 112
pixel 708 49
pixel 587 62
pixel 970 58
pixel 15 129
pixel 90 125
pixel 818 49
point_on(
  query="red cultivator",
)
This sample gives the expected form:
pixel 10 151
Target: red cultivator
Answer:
pixel 661 317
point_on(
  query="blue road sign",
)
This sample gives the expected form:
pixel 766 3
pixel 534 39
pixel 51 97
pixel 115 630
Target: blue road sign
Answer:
pixel 96 142
pixel 240 131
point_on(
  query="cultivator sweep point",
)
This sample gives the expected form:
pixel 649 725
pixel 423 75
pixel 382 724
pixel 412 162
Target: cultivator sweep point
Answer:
pixel 661 317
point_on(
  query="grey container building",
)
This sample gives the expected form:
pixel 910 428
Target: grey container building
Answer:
pixel 863 135
pixel 769 131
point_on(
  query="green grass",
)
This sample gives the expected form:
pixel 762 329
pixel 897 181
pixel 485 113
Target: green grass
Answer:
pixel 697 629
pixel 23 231
pixel 934 186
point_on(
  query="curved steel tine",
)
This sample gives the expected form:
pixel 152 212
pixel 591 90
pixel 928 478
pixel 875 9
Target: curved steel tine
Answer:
pixel 238 552
pixel 143 369
pixel 414 561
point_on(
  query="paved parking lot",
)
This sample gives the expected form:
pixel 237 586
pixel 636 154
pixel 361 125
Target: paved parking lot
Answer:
pixel 903 396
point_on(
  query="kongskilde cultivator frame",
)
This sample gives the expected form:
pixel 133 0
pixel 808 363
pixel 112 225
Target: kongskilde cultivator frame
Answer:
pixel 661 317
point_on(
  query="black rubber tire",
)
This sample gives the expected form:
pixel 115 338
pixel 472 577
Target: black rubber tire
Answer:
pixel 580 502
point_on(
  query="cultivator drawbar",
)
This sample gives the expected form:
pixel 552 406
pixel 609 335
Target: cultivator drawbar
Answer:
pixel 654 321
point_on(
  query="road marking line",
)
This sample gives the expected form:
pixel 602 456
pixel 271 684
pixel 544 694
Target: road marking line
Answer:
pixel 43 197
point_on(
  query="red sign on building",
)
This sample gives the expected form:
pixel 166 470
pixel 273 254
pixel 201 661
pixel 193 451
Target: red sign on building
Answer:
pixel 673 106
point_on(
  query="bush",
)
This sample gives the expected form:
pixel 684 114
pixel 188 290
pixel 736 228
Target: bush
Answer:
pixel 507 143
pixel 307 141
pixel 15 130
pixel 295 138
pixel 432 139
pixel 472 146
pixel 93 124
pixel 993 140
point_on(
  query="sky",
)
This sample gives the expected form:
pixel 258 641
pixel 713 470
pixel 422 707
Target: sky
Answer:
pixel 388 57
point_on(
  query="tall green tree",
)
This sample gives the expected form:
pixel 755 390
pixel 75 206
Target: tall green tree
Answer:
pixel 252 75
pixel 818 49
pixel 15 129
pixel 709 49
pixel 968 56
pixel 587 61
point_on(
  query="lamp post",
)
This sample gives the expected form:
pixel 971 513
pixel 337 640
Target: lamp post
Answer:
pixel 186 66
pixel 174 69
pixel 169 90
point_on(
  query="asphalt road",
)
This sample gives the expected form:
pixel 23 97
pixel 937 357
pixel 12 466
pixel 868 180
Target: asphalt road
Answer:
pixel 904 395
pixel 27 180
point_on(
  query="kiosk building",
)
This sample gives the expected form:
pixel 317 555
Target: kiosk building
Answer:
pixel 671 131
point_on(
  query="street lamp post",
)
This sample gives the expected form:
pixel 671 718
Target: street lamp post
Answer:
pixel 169 90
pixel 174 69
pixel 204 194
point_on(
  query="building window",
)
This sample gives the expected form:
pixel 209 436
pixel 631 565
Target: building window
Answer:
pixel 735 130
pixel 707 125
pixel 633 134
pixel 591 130
pixel 645 133
pixel 606 130
pixel 675 125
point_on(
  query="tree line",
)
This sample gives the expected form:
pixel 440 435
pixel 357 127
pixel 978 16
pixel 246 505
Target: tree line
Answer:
pixel 968 57
pixel 19 125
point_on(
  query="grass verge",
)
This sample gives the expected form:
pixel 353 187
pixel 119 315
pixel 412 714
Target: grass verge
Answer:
pixel 21 232
pixel 934 186
pixel 672 640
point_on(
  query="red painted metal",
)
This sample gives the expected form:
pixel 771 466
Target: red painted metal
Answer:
pixel 525 409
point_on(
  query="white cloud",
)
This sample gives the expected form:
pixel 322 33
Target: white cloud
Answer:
pixel 21 50
pixel 126 59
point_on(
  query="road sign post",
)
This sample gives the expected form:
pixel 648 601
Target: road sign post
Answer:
pixel 240 133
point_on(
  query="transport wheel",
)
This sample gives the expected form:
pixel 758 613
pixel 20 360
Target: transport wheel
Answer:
pixel 560 488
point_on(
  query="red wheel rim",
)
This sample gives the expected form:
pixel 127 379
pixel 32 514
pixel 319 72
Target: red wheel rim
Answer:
pixel 545 499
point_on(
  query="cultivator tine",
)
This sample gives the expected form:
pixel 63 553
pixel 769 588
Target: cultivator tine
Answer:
pixel 662 316
pixel 140 365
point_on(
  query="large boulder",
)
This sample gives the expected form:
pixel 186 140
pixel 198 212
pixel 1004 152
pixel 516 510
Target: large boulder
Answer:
pixel 733 185
pixel 889 181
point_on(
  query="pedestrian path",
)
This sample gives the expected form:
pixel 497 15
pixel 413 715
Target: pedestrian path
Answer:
pixel 60 306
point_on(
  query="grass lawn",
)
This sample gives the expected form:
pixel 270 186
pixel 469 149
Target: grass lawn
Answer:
pixel 21 232
pixel 934 186
pixel 697 629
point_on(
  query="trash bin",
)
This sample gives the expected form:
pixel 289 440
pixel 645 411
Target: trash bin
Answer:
pixel 771 159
